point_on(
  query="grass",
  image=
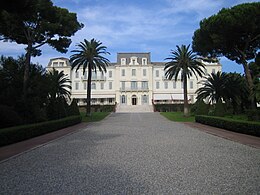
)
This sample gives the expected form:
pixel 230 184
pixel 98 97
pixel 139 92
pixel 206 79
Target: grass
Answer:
pixel 178 117
pixel 95 116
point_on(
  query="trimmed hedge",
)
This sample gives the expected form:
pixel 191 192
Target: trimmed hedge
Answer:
pixel 246 127
pixel 168 107
pixel 100 108
pixel 18 133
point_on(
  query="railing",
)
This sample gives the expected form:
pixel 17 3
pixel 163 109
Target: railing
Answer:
pixel 95 78
pixel 165 78
pixel 134 89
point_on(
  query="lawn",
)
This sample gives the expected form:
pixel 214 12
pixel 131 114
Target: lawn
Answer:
pixel 95 116
pixel 178 117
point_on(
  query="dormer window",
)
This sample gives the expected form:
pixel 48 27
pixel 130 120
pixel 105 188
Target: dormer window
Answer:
pixel 55 63
pixel 61 64
pixel 123 61
pixel 144 61
pixel 133 61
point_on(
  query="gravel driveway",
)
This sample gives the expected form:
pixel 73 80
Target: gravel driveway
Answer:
pixel 134 153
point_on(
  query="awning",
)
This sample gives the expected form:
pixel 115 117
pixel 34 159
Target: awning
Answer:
pixel 168 97
pixel 96 96
pixel 103 96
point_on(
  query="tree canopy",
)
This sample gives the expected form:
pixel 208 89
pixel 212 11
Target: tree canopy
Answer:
pixel 233 33
pixel 184 62
pixel 35 23
pixel 89 55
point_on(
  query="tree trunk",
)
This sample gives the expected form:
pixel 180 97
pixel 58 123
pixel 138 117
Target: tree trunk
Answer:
pixel 250 85
pixel 26 70
pixel 88 108
pixel 185 92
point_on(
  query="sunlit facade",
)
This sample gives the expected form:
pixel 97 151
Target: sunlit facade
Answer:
pixel 133 80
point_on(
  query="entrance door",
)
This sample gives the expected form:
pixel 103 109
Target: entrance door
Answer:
pixel 134 100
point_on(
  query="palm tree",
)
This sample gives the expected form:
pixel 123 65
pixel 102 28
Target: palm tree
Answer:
pixel 214 87
pixel 59 85
pixel 183 61
pixel 89 55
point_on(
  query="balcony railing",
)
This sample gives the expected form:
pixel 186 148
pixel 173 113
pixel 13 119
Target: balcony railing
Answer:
pixel 165 78
pixel 134 89
pixel 95 78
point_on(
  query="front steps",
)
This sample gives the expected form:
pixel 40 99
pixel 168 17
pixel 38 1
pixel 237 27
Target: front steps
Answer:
pixel 134 108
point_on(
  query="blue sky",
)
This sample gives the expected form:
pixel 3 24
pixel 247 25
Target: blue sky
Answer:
pixel 155 26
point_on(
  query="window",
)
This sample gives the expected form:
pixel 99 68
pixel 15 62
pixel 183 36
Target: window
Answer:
pixel 133 72
pixel 110 85
pixel 191 84
pixel 157 73
pixel 77 75
pixel 93 100
pixel 174 85
pixel 144 99
pixel 94 75
pixel 102 100
pixel 77 85
pixel 144 84
pixel 213 71
pixel 123 85
pixel 123 61
pixel 165 85
pixel 101 85
pixel 123 72
pixel 144 61
pixel 61 64
pixel 123 99
pixel 157 85
pixel 192 98
pixel 55 63
pixel 133 61
pixel 133 85
pixel 110 100
pixel 85 85
pixel 93 85
pixel 85 75
pixel 110 74
pixel 144 72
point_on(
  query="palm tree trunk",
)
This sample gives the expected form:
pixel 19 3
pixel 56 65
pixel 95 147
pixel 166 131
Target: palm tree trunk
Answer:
pixel 88 108
pixel 185 92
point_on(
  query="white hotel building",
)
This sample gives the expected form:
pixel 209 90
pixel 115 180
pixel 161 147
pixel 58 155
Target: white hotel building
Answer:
pixel 132 80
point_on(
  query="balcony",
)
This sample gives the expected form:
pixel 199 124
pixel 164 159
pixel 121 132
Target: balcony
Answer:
pixel 95 78
pixel 136 89
pixel 164 78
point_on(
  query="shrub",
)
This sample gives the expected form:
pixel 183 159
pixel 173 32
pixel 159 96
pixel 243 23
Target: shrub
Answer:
pixel 15 134
pixel 200 108
pixel 246 127
pixel 168 107
pixel 57 109
pixel 8 117
pixel 219 109
pixel 253 115
pixel 73 108
pixel 99 108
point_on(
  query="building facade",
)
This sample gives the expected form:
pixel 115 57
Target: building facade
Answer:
pixel 133 80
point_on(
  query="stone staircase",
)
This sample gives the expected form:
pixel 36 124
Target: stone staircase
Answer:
pixel 134 108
